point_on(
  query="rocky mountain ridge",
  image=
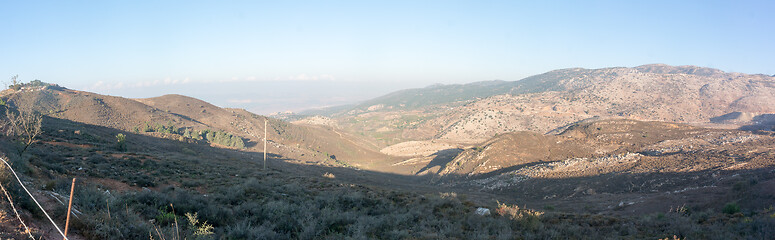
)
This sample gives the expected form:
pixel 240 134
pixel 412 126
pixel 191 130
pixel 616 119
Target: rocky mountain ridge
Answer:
pixel 542 103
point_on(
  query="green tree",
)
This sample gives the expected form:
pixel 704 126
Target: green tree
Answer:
pixel 121 142
pixel 147 127
pixel 210 136
pixel 195 135
pixel 239 143
pixel 731 208
pixel 171 129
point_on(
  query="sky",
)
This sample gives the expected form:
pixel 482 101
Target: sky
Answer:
pixel 269 56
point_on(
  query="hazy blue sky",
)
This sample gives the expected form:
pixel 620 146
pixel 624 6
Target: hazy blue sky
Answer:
pixel 270 56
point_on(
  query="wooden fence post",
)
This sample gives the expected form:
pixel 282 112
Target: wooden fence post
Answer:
pixel 69 207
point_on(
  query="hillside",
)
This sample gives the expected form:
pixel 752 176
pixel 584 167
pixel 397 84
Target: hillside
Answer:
pixel 545 102
pixel 91 108
pixel 143 191
pixel 443 94
pixel 686 97
pixel 590 140
pixel 622 165
pixel 170 116
pixel 434 94
pixel 600 178
pixel 311 143
pixel 615 166
pixel 157 181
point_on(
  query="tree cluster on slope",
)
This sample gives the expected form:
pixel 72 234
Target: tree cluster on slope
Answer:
pixel 212 136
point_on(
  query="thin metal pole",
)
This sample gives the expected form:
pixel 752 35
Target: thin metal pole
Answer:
pixel 69 207
pixel 264 144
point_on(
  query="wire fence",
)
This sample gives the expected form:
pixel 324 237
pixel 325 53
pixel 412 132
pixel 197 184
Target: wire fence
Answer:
pixel 33 198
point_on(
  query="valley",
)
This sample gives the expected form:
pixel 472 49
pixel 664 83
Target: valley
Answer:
pixel 645 152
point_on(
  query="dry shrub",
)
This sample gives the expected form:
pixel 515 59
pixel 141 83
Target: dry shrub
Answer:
pixel 448 195
pixel 514 212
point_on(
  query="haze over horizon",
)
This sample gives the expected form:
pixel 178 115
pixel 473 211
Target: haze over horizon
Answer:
pixel 274 56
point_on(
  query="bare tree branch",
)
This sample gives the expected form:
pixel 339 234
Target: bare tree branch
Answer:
pixel 25 127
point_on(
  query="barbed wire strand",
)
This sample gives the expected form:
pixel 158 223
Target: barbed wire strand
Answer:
pixel 26 229
pixel 33 198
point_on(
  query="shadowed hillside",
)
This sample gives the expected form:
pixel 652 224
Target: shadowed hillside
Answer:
pixel 170 116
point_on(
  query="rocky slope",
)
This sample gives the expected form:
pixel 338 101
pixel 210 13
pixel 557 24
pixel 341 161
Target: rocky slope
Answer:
pixel 605 139
pixel 620 166
pixel 542 103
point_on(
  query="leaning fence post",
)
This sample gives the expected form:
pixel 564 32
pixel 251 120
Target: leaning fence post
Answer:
pixel 69 207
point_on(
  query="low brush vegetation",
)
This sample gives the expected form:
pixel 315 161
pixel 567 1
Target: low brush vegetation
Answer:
pixel 237 200
pixel 275 208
